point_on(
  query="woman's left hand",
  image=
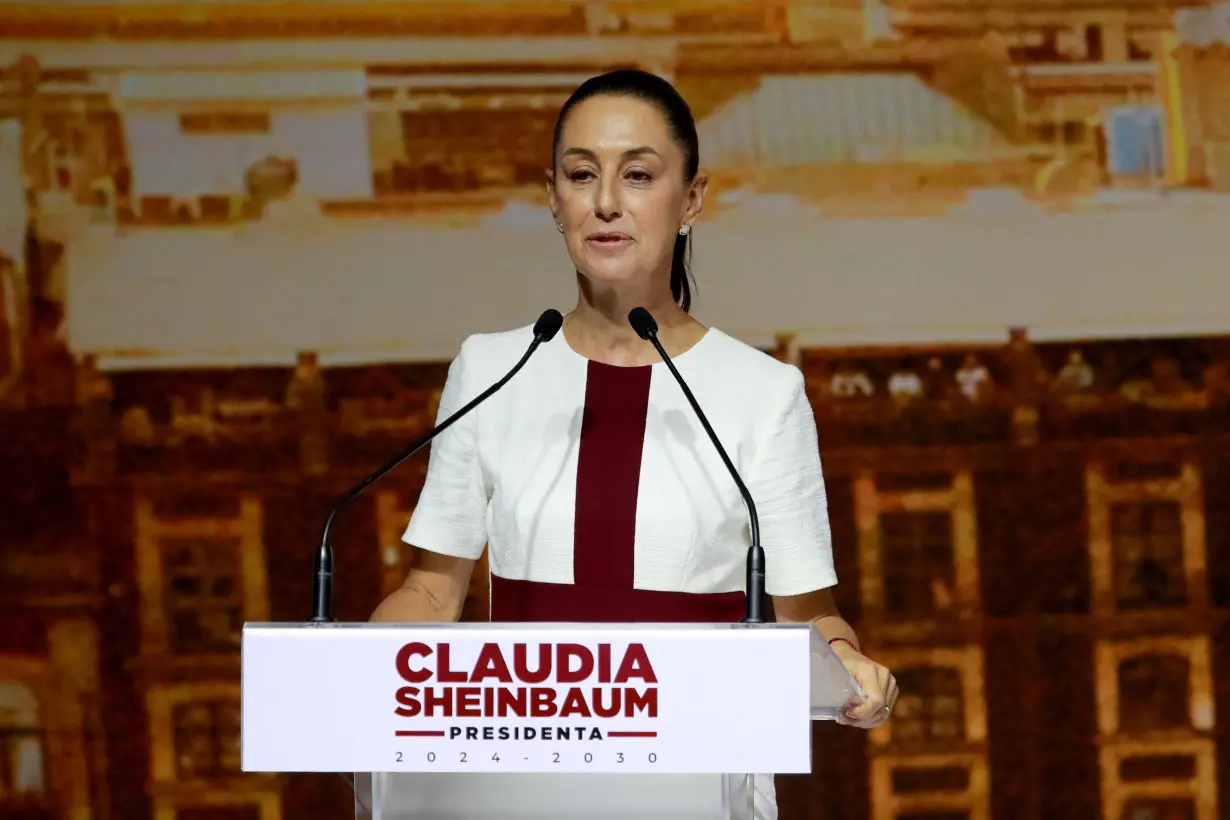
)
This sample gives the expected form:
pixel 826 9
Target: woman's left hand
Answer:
pixel 878 685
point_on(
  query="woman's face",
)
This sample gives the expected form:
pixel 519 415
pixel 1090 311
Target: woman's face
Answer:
pixel 619 190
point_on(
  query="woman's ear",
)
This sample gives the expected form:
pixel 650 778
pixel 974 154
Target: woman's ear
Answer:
pixel 552 198
pixel 696 197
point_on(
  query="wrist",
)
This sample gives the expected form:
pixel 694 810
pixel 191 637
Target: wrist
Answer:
pixel 844 646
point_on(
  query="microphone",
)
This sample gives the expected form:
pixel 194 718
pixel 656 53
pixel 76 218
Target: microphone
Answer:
pixel 548 324
pixel 647 328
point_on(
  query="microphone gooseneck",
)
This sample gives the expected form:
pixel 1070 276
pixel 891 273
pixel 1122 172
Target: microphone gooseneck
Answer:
pixel 548 324
pixel 646 327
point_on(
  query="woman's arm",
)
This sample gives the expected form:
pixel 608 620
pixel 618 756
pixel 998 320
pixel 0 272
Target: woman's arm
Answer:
pixel 433 592
pixel 450 515
pixel 878 684
pixel 819 609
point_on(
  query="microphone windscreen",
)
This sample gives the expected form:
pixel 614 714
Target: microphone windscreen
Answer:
pixel 548 325
pixel 642 322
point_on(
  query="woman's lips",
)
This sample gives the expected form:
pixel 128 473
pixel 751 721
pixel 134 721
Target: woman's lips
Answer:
pixel 609 240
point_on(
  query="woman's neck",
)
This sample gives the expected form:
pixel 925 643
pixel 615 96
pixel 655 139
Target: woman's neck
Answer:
pixel 598 329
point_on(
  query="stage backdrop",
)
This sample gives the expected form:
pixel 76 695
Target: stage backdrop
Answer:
pixel 240 242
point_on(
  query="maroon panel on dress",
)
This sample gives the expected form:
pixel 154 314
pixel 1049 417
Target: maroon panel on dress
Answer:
pixel 609 475
pixel 534 602
pixel 604 553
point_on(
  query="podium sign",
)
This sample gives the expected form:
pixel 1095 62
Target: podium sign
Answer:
pixel 549 698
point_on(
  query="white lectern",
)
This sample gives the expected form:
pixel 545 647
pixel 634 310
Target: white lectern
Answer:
pixel 541 721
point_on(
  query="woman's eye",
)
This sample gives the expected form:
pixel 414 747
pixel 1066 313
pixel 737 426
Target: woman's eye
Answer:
pixel 638 176
pixel 580 175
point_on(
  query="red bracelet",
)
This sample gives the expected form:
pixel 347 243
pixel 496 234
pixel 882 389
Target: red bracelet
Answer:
pixel 852 644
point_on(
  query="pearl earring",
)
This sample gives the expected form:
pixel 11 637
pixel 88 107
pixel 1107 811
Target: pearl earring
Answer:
pixel 684 230
pixel 560 225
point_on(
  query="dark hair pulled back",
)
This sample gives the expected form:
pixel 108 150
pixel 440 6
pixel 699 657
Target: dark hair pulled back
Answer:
pixel 654 90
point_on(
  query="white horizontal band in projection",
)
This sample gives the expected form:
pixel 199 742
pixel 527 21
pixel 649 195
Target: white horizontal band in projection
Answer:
pixel 376 290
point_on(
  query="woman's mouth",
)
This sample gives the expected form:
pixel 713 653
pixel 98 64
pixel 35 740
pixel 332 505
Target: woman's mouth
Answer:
pixel 609 240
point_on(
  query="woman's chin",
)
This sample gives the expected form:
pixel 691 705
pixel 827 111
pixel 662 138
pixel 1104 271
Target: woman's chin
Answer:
pixel 608 277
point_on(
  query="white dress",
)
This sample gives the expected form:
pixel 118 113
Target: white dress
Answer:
pixel 600 496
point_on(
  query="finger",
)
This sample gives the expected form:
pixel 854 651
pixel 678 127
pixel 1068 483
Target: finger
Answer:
pixel 875 714
pixel 868 708
pixel 878 719
pixel 891 691
pixel 870 689
pixel 854 711
pixel 866 723
pixel 849 718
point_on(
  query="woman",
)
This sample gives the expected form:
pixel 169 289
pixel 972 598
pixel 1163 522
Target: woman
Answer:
pixel 588 476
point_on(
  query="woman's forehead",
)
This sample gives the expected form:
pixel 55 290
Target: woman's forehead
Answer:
pixel 618 124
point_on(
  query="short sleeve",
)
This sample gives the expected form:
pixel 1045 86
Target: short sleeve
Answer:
pixel 787 484
pixel 451 515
